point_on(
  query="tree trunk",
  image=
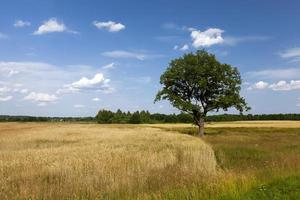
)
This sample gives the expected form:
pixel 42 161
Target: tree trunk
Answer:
pixel 201 127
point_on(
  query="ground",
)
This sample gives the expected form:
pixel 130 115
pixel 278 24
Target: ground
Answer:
pixel 235 160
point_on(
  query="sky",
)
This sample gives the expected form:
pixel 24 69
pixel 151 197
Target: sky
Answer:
pixel 72 58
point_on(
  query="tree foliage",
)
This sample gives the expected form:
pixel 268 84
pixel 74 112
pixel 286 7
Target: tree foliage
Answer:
pixel 198 83
pixel 151 118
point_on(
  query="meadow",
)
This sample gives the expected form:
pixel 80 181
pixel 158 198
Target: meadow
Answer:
pixel 235 160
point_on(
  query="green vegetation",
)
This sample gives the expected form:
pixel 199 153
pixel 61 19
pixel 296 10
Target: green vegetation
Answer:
pixel 259 163
pixel 121 117
pixel 197 83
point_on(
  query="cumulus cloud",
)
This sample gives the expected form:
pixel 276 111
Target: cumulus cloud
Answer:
pixel 69 81
pixel 260 85
pixel 42 98
pixel 277 86
pixel 30 72
pixel 21 23
pixel 52 25
pixel 129 54
pixel 206 38
pixel 109 25
pixel 283 85
pixel 9 88
pixel 98 82
pixel 5 98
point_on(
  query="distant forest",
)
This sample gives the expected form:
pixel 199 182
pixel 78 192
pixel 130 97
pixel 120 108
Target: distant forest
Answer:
pixel 143 117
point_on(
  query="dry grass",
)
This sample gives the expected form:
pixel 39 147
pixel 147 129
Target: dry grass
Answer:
pixel 237 124
pixel 89 161
pixel 236 160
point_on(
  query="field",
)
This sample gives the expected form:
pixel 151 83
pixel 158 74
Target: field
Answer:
pixel 236 160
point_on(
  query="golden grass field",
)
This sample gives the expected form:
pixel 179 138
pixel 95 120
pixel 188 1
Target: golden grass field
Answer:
pixel 74 161
pixel 90 161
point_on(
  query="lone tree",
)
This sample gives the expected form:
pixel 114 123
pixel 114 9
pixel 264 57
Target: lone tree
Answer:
pixel 197 83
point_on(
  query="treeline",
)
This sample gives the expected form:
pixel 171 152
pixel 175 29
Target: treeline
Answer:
pixel 140 117
pixel 9 118
pixel 106 116
pixel 249 117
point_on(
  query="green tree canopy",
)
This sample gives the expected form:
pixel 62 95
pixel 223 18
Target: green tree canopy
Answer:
pixel 198 83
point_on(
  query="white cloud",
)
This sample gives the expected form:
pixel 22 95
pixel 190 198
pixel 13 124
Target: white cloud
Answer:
pixel 260 85
pixel 283 85
pixel 4 89
pixel 109 66
pixel 12 72
pixel 278 86
pixel 109 25
pixel 207 38
pixel 3 36
pixel 96 99
pixel 184 47
pixel 79 106
pixel 6 98
pixel 293 54
pixel 8 72
pixel 128 54
pixel 98 82
pixel 49 76
pixel 288 73
pixel 41 97
pixel 21 23
pixel 290 53
pixel 23 91
pixel 51 26
pixel 20 90
pixel 48 79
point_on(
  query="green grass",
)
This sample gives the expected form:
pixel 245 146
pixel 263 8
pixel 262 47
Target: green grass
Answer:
pixel 284 188
pixel 258 163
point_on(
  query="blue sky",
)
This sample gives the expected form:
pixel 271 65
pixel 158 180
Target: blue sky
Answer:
pixel 72 58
